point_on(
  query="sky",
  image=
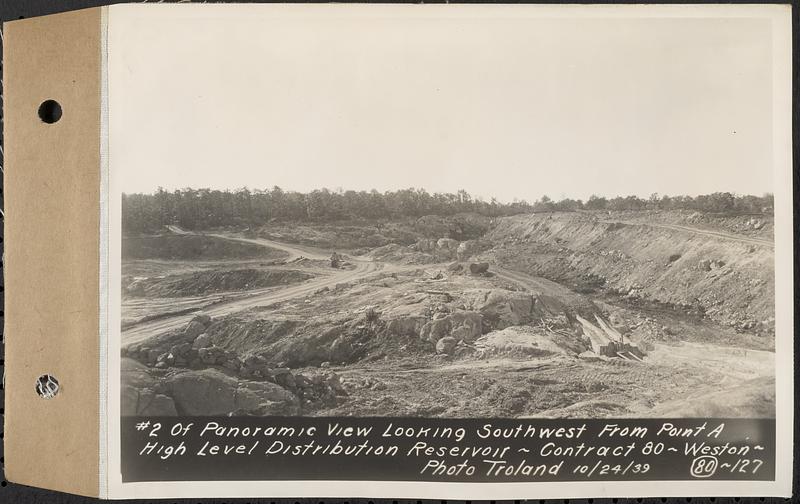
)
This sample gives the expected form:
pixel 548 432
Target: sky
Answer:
pixel 501 103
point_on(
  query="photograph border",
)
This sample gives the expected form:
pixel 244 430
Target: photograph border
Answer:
pixel 784 325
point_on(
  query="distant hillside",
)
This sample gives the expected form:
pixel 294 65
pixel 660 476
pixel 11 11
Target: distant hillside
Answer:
pixel 196 209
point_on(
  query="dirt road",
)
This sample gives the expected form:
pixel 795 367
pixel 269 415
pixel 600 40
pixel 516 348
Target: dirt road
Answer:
pixel 555 296
pixel 537 284
pixel 705 232
pixel 363 268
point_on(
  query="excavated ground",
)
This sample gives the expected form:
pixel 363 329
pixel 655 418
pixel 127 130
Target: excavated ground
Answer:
pixel 491 324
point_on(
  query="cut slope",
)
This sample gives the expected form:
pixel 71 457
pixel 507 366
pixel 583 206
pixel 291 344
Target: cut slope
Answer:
pixel 730 281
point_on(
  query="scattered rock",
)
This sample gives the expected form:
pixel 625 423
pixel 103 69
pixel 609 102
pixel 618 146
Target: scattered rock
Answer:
pixel 710 264
pixel 434 330
pixel 426 245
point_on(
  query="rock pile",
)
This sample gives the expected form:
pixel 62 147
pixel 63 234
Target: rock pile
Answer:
pixel 184 372
pixel 646 331
pixel 191 348
pixel 502 308
pixel 446 331
pixel 448 248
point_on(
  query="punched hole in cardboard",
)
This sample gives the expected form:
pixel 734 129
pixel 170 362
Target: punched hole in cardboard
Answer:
pixel 47 386
pixel 50 111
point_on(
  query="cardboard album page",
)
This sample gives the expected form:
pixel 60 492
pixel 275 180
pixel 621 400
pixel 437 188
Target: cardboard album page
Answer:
pixel 401 251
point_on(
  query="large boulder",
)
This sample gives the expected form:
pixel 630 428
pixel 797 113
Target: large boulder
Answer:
pixel 151 404
pixel 203 319
pixel 135 374
pixel 446 345
pixel 129 400
pixel 210 392
pixel 203 393
pixel 410 325
pixel 140 392
pixel 265 398
pixel 202 341
pixel 503 308
pixel 145 402
pixel 193 330
pixel 479 268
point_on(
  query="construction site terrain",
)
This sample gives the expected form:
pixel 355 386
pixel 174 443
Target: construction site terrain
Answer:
pixel 564 314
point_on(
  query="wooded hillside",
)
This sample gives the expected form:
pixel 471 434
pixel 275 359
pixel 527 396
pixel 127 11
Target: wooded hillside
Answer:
pixel 206 208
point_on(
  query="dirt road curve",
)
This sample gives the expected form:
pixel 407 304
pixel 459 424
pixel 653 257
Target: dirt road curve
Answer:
pixel 716 234
pixel 550 290
pixel 363 268
pixel 537 284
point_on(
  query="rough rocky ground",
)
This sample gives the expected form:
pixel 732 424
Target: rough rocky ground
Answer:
pixel 465 317
pixel 728 279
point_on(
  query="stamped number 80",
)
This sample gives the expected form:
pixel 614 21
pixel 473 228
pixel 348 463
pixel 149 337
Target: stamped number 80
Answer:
pixel 704 467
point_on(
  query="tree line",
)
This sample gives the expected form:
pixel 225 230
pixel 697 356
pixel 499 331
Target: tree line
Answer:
pixel 207 208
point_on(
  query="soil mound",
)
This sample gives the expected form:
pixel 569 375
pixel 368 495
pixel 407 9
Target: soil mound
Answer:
pixel 204 282
pixel 525 341
pixel 172 247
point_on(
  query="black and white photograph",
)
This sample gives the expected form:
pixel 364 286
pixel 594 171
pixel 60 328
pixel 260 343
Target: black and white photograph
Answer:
pixel 411 302
pixel 522 232
pixel 416 218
